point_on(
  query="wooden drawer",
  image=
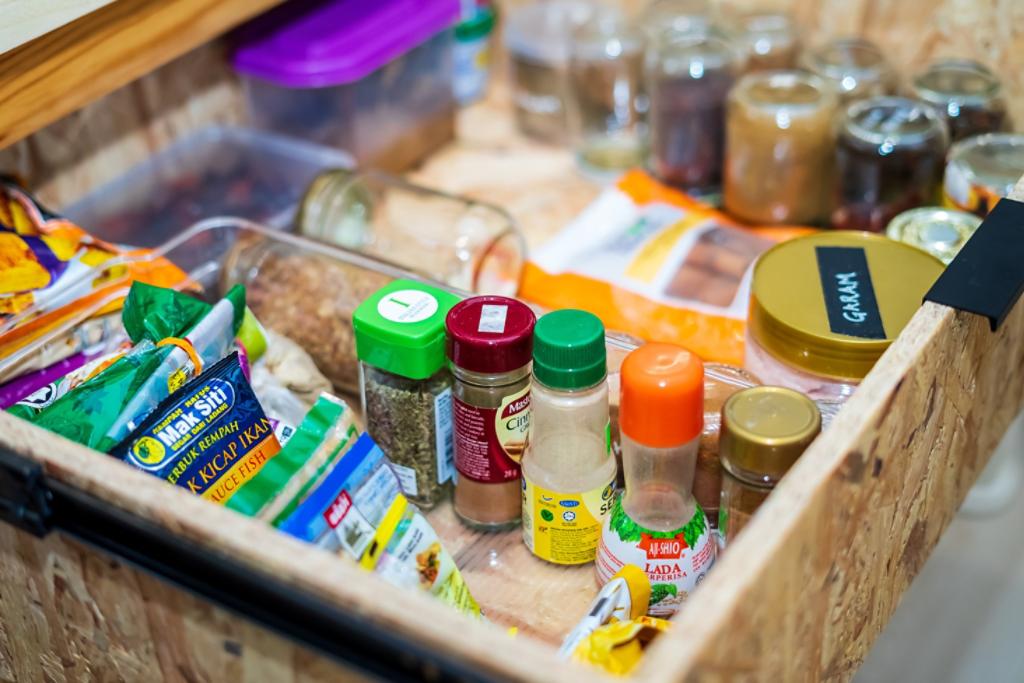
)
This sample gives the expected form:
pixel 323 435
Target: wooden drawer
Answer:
pixel 108 574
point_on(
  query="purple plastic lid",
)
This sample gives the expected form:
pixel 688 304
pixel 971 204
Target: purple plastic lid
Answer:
pixel 320 43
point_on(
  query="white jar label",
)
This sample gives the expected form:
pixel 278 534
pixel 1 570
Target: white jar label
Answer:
pixel 675 561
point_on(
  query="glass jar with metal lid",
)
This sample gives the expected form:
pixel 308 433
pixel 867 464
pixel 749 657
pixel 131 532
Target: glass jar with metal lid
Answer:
pixel 982 170
pixel 966 94
pixel 889 158
pixel 941 232
pixel 823 308
pixel 857 67
pixel 764 432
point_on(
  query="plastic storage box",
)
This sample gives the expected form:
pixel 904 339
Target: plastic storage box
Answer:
pixel 213 172
pixel 372 78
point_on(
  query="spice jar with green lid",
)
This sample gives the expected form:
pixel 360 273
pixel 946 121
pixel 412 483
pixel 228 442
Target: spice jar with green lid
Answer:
pixel 568 467
pixel 405 384
pixel 764 431
pixel 823 308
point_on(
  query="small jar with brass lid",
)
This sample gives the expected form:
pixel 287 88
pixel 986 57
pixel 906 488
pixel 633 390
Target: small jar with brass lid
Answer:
pixel 825 307
pixel 764 431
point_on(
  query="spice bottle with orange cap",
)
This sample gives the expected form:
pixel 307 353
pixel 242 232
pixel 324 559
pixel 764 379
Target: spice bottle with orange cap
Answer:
pixel 490 349
pixel 657 524
pixel 568 468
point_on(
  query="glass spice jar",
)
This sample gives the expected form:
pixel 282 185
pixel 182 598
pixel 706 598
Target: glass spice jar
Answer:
pixel 568 464
pixel 606 105
pixel 966 94
pixel 770 39
pixel 688 76
pixel 890 153
pixel 537 36
pixel 490 351
pixel 764 431
pixel 856 67
pixel 779 147
pixel 823 308
pixel 680 16
pixel 982 170
pixel 405 384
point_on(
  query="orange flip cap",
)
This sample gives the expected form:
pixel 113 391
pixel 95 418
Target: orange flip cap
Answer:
pixel 662 400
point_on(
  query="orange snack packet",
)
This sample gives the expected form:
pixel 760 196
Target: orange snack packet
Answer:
pixel 653 262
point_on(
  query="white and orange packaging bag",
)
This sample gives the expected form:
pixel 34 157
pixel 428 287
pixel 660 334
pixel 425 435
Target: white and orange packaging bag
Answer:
pixel 653 262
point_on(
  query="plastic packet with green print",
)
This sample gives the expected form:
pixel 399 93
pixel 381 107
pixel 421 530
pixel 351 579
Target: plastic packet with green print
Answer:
pixel 170 331
pixel 326 433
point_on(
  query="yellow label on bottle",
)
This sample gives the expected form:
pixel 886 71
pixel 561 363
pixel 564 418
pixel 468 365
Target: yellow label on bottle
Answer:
pixel 565 528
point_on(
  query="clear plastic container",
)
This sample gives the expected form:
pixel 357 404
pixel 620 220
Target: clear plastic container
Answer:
pixel 856 68
pixel 372 78
pixel 462 242
pixel 216 171
pixel 825 307
pixel 606 103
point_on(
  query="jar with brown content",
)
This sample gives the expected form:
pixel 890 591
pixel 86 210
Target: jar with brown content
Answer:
pixel 490 350
pixel 779 148
pixel 764 431
pixel 964 93
pixel 889 158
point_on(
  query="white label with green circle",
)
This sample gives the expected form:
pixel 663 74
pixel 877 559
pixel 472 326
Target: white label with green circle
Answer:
pixel 407 306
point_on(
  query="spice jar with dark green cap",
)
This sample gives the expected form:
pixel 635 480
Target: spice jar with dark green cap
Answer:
pixel 764 431
pixel 568 468
pixel 405 384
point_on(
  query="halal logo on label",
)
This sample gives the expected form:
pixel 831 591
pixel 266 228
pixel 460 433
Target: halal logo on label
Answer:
pixel 407 306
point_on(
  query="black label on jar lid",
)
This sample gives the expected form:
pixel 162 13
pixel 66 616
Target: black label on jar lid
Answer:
pixel 849 293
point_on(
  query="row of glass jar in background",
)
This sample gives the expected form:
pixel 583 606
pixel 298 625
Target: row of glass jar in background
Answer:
pixel 710 103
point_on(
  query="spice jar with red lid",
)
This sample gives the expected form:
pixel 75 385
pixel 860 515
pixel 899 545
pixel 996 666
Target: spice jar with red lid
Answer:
pixel 490 350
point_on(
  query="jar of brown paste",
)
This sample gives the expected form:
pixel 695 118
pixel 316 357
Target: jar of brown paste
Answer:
pixel 779 148
pixel 490 350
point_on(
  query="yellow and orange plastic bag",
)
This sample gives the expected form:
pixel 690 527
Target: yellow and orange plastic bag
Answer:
pixel 653 262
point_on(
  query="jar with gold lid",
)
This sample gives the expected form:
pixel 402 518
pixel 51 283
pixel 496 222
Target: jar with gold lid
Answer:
pixel 825 307
pixel 764 432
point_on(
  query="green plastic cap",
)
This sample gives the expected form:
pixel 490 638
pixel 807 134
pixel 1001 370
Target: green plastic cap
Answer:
pixel 569 350
pixel 400 328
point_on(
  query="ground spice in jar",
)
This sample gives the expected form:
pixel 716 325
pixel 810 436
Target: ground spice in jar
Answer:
pixel 764 431
pixel 490 349
pixel 406 386
pixel 308 297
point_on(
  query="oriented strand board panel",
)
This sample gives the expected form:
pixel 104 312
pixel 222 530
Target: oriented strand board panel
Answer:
pixel 79 616
pixel 28 19
pixel 58 73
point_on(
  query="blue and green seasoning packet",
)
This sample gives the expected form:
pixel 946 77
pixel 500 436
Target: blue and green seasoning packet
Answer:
pixel 210 437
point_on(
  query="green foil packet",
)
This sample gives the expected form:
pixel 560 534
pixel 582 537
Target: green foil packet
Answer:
pixel 103 410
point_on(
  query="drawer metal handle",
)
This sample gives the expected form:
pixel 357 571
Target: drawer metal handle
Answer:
pixel 987 276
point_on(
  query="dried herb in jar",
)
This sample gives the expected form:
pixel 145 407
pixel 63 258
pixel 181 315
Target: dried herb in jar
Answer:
pixel 406 386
